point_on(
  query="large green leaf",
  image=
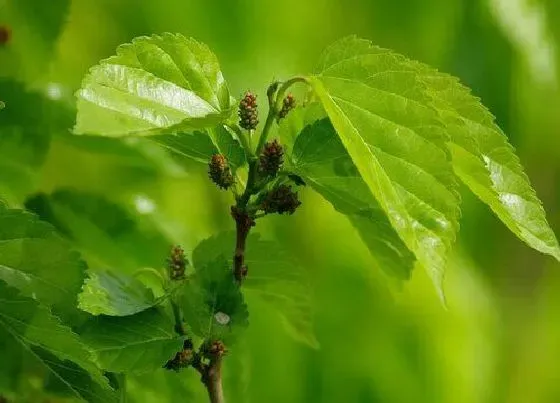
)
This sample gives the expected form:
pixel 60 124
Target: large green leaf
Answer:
pixel 153 85
pixel 107 293
pixel 213 304
pixel 137 343
pixel 481 155
pixel 274 276
pixel 398 145
pixel 54 345
pixel 35 260
pixel 320 158
pixel 109 235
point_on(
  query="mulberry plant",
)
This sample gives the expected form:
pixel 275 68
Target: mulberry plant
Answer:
pixel 383 139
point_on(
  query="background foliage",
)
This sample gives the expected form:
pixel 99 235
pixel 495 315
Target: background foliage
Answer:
pixel 500 337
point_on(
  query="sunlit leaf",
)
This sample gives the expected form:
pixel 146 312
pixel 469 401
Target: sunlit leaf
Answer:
pixel 481 155
pixel 153 85
pixel 485 161
pixel 385 121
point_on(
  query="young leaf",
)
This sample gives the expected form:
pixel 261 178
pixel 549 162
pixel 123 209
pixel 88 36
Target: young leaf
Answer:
pixel 35 260
pixel 481 155
pixel 108 234
pixel 133 344
pixel 113 294
pixel 320 158
pixel 398 145
pixel 274 276
pixel 54 345
pixel 200 146
pixel 213 304
pixel 153 85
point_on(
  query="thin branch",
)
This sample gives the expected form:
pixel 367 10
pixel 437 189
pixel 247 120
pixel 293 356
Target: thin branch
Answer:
pixel 243 224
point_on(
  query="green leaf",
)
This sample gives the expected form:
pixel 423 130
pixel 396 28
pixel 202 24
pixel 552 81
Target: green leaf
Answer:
pixel 138 343
pixel 320 158
pixel 35 260
pixel 108 234
pixel 481 155
pixel 200 146
pixel 154 85
pixel 485 161
pixel 213 304
pixel 54 345
pixel 274 277
pixel 397 143
pixel 107 293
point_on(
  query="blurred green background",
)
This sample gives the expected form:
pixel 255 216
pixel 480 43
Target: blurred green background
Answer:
pixel 499 339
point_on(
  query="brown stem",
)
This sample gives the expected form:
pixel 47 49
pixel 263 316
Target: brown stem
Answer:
pixel 211 375
pixel 243 224
pixel 212 379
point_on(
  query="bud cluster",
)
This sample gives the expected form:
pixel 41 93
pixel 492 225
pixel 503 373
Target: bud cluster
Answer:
pixel 177 263
pixel 281 199
pixel 248 112
pixel 182 359
pixel 219 171
pixel 288 104
pixel 271 158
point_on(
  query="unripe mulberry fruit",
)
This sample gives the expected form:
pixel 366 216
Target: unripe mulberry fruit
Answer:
pixel 248 112
pixel 288 104
pixel 271 160
pixel 281 200
pixel 219 171
pixel 177 263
